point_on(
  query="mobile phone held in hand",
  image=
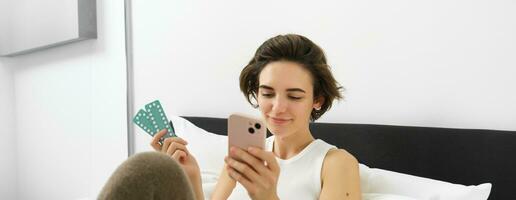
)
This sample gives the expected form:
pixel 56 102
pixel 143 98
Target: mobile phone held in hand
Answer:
pixel 246 131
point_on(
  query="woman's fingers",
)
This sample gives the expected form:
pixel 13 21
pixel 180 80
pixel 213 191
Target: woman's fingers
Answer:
pixel 268 157
pixel 243 169
pixel 237 176
pixel 249 166
pixel 166 143
pixel 178 155
pixel 155 140
pixel 172 140
pixel 257 170
pixel 173 143
pixel 175 147
pixel 240 154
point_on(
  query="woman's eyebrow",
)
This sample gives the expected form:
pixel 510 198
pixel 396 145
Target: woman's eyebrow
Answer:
pixel 266 87
pixel 295 90
pixel 288 90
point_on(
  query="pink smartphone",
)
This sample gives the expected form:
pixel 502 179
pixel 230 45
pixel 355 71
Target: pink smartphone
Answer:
pixel 246 131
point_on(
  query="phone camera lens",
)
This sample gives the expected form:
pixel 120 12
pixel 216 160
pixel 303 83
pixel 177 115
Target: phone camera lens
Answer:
pixel 257 126
pixel 251 130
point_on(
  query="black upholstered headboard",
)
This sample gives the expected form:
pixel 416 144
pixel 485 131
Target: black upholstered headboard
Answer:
pixel 464 156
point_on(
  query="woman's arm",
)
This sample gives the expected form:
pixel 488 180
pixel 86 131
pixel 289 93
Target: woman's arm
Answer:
pixel 196 184
pixel 340 176
pixel 175 147
pixel 224 187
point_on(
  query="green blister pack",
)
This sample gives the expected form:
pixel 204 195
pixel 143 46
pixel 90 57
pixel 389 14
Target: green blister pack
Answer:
pixel 152 119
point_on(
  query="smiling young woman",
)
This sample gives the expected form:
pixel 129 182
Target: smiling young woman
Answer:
pixel 292 84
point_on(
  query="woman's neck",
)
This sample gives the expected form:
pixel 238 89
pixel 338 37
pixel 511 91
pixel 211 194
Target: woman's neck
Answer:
pixel 289 146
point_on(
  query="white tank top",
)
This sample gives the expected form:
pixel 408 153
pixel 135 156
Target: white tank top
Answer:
pixel 300 176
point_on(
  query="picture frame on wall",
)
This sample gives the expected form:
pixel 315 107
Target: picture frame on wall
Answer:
pixel 28 26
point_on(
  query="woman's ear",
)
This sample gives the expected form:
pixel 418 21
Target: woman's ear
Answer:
pixel 318 102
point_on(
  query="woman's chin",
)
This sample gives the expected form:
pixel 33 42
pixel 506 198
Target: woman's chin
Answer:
pixel 277 131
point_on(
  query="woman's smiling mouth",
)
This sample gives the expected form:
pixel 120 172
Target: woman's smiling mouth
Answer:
pixel 279 121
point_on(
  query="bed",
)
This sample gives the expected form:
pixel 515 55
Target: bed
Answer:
pixel 463 156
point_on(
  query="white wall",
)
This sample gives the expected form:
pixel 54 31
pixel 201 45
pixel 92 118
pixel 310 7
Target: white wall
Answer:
pixel 7 133
pixel 4 26
pixel 423 63
pixel 71 112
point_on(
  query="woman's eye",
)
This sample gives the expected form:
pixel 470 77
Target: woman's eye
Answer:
pixel 295 98
pixel 267 94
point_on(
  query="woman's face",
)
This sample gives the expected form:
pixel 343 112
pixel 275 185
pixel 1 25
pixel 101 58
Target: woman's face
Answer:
pixel 285 97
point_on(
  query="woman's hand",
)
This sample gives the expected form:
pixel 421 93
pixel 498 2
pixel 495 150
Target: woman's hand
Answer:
pixel 256 169
pixel 175 147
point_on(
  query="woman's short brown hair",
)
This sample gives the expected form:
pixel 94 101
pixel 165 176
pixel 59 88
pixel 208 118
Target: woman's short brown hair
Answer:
pixel 294 48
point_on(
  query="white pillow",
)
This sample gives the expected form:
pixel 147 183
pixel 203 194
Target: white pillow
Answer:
pixel 208 148
pixel 388 182
pixel 377 196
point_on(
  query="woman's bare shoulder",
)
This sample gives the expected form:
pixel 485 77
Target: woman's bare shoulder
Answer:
pixel 340 178
pixel 339 159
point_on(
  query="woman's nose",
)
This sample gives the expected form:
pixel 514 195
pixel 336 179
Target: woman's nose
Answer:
pixel 279 105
